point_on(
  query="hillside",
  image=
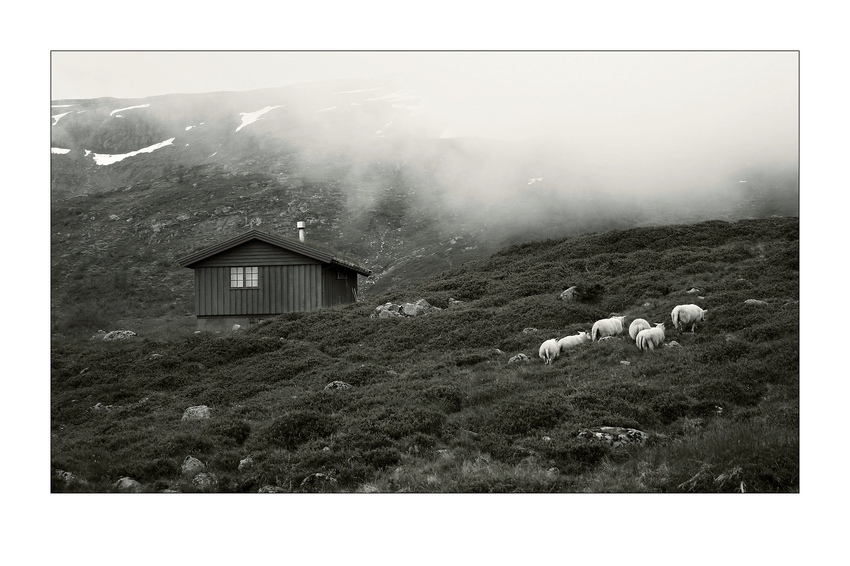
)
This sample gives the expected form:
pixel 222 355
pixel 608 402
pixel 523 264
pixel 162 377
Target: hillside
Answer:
pixel 137 183
pixel 434 404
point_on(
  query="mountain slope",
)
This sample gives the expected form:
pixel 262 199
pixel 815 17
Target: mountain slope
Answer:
pixel 435 407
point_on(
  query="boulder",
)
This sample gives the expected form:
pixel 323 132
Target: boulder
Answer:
pixel 127 484
pixel 529 330
pixel 118 335
pixel 453 303
pixel 337 385
pixel 67 477
pixel 99 335
pixel 205 481
pixel 518 358
pixel 236 327
pixel 755 302
pixel 390 310
pixel 196 413
pixel 570 294
pixel 614 435
pixel 245 463
pixel 191 467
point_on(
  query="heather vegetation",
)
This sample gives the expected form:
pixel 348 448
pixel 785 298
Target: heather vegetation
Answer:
pixel 435 406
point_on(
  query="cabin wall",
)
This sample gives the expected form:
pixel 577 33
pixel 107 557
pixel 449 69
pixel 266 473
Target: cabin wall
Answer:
pixel 281 289
pixel 340 286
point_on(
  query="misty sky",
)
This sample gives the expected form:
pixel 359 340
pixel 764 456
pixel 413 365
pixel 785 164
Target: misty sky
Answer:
pixel 621 112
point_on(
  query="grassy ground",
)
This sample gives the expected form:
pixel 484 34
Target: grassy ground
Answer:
pixel 434 404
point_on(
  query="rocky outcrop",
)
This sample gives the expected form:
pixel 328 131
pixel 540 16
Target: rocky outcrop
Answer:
pixel 392 310
pixel 117 335
pixel 613 435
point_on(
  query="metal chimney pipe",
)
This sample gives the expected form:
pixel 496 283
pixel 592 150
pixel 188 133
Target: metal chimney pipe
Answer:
pixel 302 226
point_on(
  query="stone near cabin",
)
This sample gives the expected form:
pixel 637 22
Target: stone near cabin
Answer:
pixel 191 467
pixel 390 310
pixel 614 435
pixel 518 358
pixel 236 327
pixel 118 335
pixel 570 294
pixel 337 385
pixel 127 484
pixel 755 302
pixel 196 413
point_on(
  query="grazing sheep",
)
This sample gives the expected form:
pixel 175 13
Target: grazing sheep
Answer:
pixel 607 327
pixel 636 326
pixel 684 315
pixel 651 337
pixel 549 350
pixel 568 342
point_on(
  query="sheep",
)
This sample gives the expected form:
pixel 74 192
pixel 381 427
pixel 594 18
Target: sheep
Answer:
pixel 607 327
pixel 651 337
pixel 636 326
pixel 549 350
pixel 568 342
pixel 684 315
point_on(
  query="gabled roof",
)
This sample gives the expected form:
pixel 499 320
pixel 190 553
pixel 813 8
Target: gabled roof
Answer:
pixel 285 243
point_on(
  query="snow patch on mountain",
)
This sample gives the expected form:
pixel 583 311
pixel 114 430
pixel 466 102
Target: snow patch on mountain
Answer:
pixel 251 117
pixel 59 150
pixel 128 108
pixel 109 159
pixel 56 117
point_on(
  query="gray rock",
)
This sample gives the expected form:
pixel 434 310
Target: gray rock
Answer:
pixel 196 413
pixel 191 467
pixel 569 294
pixel 529 330
pixel 245 463
pixel 755 302
pixel 614 435
pixel 337 385
pixel 518 358
pixel 118 335
pixel 127 484
pixel 205 481
pixel 68 477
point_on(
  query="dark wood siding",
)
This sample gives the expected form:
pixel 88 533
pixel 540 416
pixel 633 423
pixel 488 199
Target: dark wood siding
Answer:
pixel 340 286
pixel 257 253
pixel 282 288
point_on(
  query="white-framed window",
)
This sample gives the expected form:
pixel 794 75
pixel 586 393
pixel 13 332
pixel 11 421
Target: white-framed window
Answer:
pixel 241 277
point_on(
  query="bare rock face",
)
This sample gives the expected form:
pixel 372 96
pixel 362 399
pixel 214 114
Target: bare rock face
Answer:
pixel 614 435
pixel 191 467
pixel 196 413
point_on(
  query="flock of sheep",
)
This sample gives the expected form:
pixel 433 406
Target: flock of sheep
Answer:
pixel 645 336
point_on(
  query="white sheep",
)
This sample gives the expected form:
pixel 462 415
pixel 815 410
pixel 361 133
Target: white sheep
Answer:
pixel 684 315
pixel 549 350
pixel 651 338
pixel 607 327
pixel 568 342
pixel 636 326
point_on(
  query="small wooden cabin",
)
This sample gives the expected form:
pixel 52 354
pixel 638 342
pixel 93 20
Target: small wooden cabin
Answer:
pixel 256 275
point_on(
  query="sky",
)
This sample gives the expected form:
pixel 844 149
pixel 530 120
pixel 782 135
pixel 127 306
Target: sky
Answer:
pixel 626 115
